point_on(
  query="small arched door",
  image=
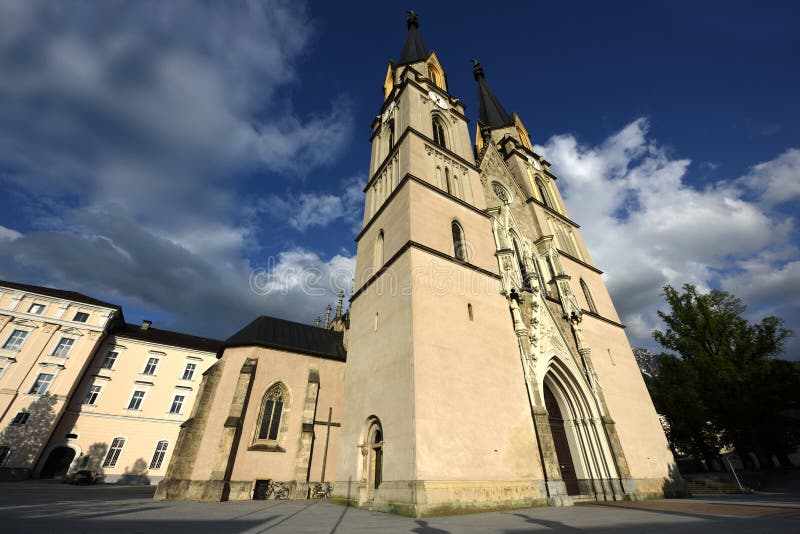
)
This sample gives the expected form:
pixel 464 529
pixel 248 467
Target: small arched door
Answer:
pixel 565 464
pixel 57 463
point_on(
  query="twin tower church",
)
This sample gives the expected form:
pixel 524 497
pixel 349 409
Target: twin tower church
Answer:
pixel 481 364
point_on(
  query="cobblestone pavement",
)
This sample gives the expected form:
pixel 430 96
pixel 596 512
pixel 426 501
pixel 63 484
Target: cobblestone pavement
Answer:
pixel 32 507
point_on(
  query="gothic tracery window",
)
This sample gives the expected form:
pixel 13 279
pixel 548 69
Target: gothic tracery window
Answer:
pixel 271 412
pixel 501 193
pixel 438 131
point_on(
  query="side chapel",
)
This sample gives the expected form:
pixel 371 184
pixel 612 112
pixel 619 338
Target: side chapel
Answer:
pixel 481 364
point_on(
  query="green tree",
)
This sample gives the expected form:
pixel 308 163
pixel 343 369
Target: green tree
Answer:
pixel 726 387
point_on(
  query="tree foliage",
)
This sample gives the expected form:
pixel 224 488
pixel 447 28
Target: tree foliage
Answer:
pixel 725 386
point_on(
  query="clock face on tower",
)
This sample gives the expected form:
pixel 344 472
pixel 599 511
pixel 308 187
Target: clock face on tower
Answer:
pixel 536 164
pixel 438 100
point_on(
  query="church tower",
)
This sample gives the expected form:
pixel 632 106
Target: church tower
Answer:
pixel 469 381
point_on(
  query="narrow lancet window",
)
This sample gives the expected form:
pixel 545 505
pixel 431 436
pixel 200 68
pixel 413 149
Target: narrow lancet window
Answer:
pixel 459 246
pixel 438 132
pixel 588 295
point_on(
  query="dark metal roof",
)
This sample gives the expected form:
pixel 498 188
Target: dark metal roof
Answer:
pixel 490 111
pixel 168 337
pixel 286 335
pixel 58 293
pixel 414 50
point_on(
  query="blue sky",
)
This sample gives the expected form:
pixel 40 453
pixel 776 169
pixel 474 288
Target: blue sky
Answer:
pixel 155 153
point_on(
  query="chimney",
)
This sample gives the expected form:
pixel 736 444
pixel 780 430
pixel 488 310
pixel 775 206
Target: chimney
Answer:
pixel 327 315
pixel 146 324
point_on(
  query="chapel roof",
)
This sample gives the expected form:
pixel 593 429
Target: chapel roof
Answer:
pixel 290 336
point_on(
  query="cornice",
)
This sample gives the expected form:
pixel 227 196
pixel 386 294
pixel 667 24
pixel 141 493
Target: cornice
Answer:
pixel 419 246
pixel 408 177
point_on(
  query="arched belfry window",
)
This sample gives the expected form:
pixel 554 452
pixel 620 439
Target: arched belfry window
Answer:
pixel 459 245
pixel 588 295
pixel 438 131
pixel 435 75
pixel 272 408
pixel 543 193
pixel 378 263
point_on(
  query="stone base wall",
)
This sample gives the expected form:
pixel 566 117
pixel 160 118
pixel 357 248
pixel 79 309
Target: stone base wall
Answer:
pixel 435 498
pixel 658 488
pixel 218 490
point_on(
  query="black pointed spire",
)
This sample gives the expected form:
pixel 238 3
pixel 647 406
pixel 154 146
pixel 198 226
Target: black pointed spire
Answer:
pixel 414 50
pixel 490 110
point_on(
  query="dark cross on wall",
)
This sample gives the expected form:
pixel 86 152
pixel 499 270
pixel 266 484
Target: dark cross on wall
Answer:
pixel 327 424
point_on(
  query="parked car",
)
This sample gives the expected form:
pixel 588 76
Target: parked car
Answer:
pixel 84 476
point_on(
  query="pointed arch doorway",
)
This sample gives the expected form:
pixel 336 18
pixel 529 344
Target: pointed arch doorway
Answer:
pixel 565 463
pixel 372 450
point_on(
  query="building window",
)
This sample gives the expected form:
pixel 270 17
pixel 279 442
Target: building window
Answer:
pixel 158 455
pixel 390 127
pixel 448 186
pixel 150 368
pixel 113 453
pixel 177 404
pixel 63 347
pixel 378 260
pixel 81 317
pixel 469 311
pixel 36 309
pixel 459 246
pixel 520 263
pixel 136 400
pixel 5 452
pixel 16 340
pixel 438 132
pixel 41 384
pixel 188 372
pixel 109 359
pixel 588 295
pixel 543 193
pixel 271 412
pixel 21 418
pixel 91 395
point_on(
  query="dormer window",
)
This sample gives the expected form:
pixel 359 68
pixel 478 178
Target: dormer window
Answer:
pixel 438 131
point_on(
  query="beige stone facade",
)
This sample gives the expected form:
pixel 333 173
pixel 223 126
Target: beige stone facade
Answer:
pixel 80 389
pixel 124 419
pixel 47 341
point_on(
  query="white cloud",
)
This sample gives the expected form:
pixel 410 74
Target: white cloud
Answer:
pixel 130 131
pixel 775 181
pixel 307 210
pixel 7 234
pixel 646 227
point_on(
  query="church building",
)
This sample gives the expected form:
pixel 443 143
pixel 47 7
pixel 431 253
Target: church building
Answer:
pixel 481 363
